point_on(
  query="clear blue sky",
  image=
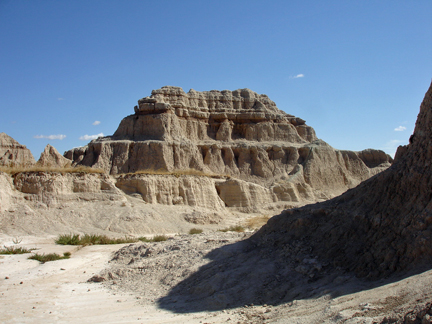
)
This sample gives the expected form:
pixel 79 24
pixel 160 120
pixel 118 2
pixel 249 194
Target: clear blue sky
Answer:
pixel 356 71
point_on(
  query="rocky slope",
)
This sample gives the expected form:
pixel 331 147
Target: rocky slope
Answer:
pixel 237 133
pixel 51 158
pixel 13 153
pixel 380 227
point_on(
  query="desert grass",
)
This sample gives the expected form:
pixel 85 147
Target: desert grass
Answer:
pixel 195 231
pixel 49 257
pixel 12 170
pixel 15 250
pixel 237 228
pixel 157 238
pixel 91 239
pixel 94 239
pixel 257 221
pixel 179 173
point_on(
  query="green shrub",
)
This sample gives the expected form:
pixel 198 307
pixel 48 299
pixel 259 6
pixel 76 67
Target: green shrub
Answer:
pixel 91 239
pixel 195 231
pixel 49 257
pixel 68 239
pixel 15 250
pixel 237 228
pixel 159 238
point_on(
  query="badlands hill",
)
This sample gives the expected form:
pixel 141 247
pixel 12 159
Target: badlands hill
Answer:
pixel 214 157
pixel 267 158
pixel 13 153
pixel 357 258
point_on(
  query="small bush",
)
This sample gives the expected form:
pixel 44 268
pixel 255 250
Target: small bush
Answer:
pixel 195 231
pixel 237 228
pixel 15 250
pixel 159 238
pixel 49 257
pixel 17 240
pixel 68 239
pixel 91 239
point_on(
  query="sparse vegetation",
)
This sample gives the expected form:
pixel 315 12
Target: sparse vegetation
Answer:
pixel 195 231
pixel 15 250
pixel 178 173
pixel 237 228
pixel 91 239
pixel 157 238
pixel 94 239
pixel 12 170
pixel 49 257
pixel 17 240
pixel 257 222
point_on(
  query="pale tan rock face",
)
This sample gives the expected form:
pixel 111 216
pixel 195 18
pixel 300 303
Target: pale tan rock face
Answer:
pixel 52 188
pixel 192 191
pixel 50 157
pixel 13 153
pixel 238 133
pixel 6 191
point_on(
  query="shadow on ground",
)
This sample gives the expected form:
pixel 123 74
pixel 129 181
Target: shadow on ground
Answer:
pixel 243 274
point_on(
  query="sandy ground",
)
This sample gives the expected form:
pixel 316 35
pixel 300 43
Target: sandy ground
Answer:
pixel 58 292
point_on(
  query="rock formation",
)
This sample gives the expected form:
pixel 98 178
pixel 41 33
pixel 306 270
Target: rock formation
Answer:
pixel 240 133
pixel 13 153
pixel 380 227
pixel 51 158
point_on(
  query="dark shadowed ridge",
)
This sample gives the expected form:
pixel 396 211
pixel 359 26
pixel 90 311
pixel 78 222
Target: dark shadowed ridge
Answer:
pixel 372 234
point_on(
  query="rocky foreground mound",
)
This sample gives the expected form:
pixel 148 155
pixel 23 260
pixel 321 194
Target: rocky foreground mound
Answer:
pixel 270 155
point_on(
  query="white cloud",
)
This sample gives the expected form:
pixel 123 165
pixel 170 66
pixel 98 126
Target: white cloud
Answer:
pixel 90 137
pixel 298 76
pixel 51 137
pixel 400 129
pixel 59 99
pixel 96 122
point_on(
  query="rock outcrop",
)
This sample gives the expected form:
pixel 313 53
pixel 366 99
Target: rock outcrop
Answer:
pixel 6 191
pixel 51 158
pixel 238 133
pixel 52 188
pixel 13 154
pixel 380 227
pixel 173 190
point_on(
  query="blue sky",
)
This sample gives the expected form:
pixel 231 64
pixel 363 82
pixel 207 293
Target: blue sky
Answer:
pixel 356 71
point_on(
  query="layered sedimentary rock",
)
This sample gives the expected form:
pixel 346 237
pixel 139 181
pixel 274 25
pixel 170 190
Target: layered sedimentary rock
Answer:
pixel 13 153
pixel 380 227
pixel 53 187
pixel 51 158
pixel 238 133
pixel 171 190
